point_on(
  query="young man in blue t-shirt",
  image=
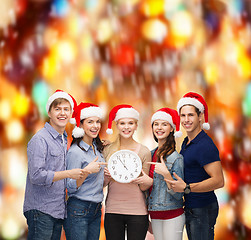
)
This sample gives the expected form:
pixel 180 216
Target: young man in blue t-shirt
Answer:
pixel 202 169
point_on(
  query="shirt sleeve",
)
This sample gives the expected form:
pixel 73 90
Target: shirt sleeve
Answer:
pixel 38 170
pixel 73 160
pixel 209 154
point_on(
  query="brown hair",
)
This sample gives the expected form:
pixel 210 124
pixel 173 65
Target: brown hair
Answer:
pixel 57 102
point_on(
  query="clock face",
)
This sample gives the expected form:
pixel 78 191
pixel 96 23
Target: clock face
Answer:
pixel 124 166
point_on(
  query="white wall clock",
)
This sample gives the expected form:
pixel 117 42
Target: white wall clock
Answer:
pixel 124 166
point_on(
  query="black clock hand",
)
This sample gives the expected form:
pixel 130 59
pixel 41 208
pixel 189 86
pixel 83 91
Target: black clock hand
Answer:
pixel 123 164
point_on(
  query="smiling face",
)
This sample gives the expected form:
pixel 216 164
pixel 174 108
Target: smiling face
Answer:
pixel 161 129
pixel 59 115
pixel 91 126
pixel 127 127
pixel 190 120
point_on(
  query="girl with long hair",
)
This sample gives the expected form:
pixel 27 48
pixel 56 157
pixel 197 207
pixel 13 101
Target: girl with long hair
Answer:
pixel 165 207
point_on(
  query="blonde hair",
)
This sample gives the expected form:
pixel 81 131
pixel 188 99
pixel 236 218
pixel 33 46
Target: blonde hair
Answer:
pixel 111 148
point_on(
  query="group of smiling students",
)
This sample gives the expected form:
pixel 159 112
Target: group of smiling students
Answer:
pixel 157 194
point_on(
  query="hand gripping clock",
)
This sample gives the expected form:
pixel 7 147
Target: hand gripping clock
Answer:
pixel 124 166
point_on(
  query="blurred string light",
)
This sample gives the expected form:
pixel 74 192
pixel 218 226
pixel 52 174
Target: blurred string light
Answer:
pixel 20 105
pixel 235 7
pixel 5 109
pixel 14 130
pixel 153 8
pixel 154 30
pixel 246 103
pixel 60 8
pixel 40 95
pixel 181 29
pixel 7 13
pixel 245 210
pixel 86 73
pixel 105 31
pixel 10 228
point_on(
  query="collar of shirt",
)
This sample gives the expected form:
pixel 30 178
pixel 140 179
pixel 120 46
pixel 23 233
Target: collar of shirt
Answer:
pixel 200 135
pixel 86 146
pixel 53 131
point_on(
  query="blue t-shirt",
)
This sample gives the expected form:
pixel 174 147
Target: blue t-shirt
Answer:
pixel 198 153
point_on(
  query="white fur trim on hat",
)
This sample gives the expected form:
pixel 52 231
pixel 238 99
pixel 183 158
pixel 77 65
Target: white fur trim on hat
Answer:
pixel 91 112
pixel 190 101
pixel 126 113
pixel 177 134
pixel 160 115
pixel 57 95
pixel 78 132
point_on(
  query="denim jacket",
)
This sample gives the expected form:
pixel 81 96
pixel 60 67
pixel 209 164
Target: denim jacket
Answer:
pixel 161 198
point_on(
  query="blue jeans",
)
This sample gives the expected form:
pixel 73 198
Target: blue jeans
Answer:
pixel 83 220
pixel 200 222
pixel 42 226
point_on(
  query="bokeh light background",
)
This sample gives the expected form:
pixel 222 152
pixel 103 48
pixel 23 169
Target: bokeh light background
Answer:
pixel 147 53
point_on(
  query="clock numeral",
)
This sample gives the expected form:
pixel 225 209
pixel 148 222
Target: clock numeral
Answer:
pixel 126 178
pixel 123 155
pixel 120 176
pixel 118 158
pixel 136 165
pixel 113 167
pixel 114 162
pixel 136 170
pixel 114 173
pixel 134 159
pixel 131 175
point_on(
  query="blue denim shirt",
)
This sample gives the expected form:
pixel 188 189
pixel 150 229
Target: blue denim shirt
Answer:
pixel 46 153
pixel 161 198
pixel 92 187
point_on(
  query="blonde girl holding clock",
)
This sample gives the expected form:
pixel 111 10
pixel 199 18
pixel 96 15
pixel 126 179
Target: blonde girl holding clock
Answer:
pixel 125 205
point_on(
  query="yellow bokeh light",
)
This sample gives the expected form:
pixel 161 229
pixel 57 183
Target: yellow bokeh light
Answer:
pixel 86 73
pixel 14 130
pixel 104 32
pixel 154 30
pixel 5 110
pixel 50 66
pixel 21 105
pixel 211 73
pixel 66 51
pixel 153 8
pixel 181 28
pixel 10 228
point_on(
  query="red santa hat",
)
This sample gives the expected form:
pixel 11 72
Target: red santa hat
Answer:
pixel 119 112
pixel 197 101
pixel 171 116
pixel 61 94
pixel 82 111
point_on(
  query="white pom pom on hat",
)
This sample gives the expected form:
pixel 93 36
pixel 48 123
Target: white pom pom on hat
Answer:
pixel 196 100
pixel 171 116
pixel 119 112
